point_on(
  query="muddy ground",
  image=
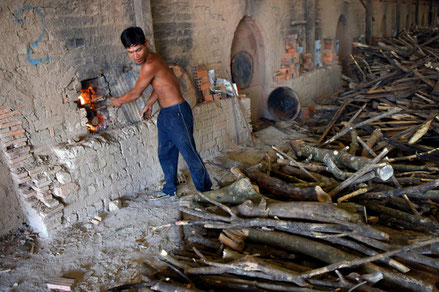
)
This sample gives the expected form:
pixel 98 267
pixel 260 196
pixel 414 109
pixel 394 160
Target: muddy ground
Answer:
pixel 111 253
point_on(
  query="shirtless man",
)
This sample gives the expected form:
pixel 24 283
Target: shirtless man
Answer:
pixel 174 122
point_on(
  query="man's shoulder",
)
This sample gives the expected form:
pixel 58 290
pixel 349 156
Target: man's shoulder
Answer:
pixel 154 60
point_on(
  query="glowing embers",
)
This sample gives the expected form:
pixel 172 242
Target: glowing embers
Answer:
pixel 95 104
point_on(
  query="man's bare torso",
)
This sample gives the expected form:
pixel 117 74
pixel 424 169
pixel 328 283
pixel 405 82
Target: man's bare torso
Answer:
pixel 164 81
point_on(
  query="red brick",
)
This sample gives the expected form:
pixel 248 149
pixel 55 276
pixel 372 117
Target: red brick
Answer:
pixel 201 73
pixel 7 115
pixel 327 44
pixel 51 203
pixel 42 183
pixel 20 174
pixel 290 45
pixel 13 153
pixel 21 180
pixel 10 124
pixel 32 202
pixel 286 61
pixel 206 92
pixel 37 170
pixel 205 86
pixel 54 170
pixel 16 143
pixel 31 194
pixel 14 133
pixel 16 160
pixel 49 212
pixel 205 79
pixel 208 97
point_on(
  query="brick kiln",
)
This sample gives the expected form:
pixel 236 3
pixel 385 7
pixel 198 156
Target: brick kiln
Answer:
pixel 68 154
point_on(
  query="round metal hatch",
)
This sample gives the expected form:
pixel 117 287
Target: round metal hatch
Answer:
pixel 242 69
pixel 283 104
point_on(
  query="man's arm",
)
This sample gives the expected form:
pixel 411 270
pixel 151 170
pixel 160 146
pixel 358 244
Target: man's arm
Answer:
pixel 147 110
pixel 146 75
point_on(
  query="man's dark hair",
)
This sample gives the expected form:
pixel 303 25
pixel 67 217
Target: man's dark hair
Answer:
pixel 132 36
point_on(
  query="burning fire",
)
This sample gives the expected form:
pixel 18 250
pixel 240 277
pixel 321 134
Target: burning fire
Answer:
pixel 81 100
pixel 87 95
pixel 92 128
pixel 97 115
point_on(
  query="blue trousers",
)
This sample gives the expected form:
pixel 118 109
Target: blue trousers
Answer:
pixel 175 132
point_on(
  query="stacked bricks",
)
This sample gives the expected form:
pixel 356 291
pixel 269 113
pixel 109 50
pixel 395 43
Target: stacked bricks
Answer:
pixel 307 62
pixel 289 64
pixel 29 180
pixel 329 56
pixel 202 82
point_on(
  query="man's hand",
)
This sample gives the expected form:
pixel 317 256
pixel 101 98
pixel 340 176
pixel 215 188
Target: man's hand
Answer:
pixel 146 112
pixel 115 102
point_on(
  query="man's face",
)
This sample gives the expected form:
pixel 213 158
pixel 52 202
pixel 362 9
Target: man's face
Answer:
pixel 138 53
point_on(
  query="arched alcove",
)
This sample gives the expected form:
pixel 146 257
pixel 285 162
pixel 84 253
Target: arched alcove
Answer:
pixel 344 44
pixel 248 63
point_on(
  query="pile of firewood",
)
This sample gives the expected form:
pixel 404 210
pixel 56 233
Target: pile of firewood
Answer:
pixel 293 239
pixel 353 206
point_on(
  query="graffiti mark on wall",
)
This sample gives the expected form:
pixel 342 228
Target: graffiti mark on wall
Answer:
pixel 40 36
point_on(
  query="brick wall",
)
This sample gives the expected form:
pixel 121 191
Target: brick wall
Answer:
pixel 11 214
pixel 77 39
pixel 47 50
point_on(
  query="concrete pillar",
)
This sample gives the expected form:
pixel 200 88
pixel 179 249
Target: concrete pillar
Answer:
pixel 310 14
pixel 398 16
pixel 369 19
pixel 417 13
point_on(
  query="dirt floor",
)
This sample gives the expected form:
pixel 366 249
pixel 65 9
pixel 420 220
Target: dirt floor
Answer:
pixel 111 253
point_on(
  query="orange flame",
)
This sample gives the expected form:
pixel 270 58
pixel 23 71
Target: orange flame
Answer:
pixel 81 100
pixel 91 128
pixel 87 95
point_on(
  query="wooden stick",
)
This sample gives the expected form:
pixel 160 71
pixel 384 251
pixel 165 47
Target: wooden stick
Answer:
pixel 295 163
pixel 334 119
pixel 414 156
pixel 352 195
pixel 356 262
pixel 238 100
pixel 368 167
pixel 216 203
pixel 373 119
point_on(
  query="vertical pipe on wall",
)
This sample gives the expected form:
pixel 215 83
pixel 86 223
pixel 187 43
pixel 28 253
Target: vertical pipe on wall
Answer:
pixel 369 17
pixel 430 14
pixel 398 16
pixel 310 14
